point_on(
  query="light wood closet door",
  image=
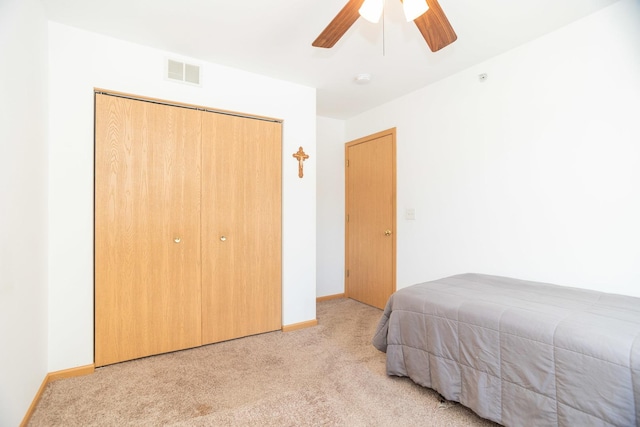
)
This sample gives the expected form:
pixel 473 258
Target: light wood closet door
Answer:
pixel 241 227
pixel 147 229
pixel 370 208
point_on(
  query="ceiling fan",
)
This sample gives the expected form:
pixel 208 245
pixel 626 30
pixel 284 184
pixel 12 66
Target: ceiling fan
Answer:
pixel 433 24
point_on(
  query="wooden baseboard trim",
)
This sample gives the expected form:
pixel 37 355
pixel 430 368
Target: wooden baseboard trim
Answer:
pixel 36 399
pixel 73 372
pixel 53 376
pixel 301 325
pixel 329 297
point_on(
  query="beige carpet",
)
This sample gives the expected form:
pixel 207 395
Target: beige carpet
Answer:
pixel 328 375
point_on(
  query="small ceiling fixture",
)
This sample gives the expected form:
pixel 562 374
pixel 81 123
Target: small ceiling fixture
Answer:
pixel 372 10
pixel 362 78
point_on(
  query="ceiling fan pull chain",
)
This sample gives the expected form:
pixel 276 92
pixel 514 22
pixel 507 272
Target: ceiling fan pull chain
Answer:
pixel 383 31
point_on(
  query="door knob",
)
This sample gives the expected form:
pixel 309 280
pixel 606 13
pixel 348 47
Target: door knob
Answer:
pixel 177 240
pixel 387 232
pixel 223 238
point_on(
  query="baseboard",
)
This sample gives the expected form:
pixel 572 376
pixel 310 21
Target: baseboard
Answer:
pixel 53 376
pixel 310 323
pixel 36 399
pixel 329 297
pixel 301 325
pixel 70 373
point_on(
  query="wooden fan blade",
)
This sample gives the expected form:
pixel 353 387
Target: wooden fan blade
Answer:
pixel 340 24
pixel 435 27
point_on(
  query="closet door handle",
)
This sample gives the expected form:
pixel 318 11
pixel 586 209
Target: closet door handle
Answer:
pixel 177 240
pixel 223 239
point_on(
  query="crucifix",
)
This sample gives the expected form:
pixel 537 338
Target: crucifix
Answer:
pixel 301 156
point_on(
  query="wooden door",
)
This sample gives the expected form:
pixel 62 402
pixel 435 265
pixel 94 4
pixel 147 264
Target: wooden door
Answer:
pixel 370 213
pixel 241 227
pixel 147 229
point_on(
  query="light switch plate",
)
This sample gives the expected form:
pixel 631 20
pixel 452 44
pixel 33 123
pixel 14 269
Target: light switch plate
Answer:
pixel 410 214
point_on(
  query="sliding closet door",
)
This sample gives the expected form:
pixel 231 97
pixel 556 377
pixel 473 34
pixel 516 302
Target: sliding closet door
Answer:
pixel 241 227
pixel 147 229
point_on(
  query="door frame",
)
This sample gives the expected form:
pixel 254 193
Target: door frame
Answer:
pixel 363 140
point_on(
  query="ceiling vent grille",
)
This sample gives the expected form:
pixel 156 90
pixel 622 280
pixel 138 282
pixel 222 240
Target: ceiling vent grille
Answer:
pixel 182 72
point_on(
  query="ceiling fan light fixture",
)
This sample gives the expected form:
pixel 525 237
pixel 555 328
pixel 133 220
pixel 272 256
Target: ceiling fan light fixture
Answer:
pixel 413 9
pixel 371 10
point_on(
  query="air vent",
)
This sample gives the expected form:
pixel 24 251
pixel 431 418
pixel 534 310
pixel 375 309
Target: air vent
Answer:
pixel 186 73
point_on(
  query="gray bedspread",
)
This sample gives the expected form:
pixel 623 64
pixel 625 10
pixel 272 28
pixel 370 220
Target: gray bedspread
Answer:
pixel 516 352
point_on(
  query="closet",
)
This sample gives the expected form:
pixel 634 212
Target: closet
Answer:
pixel 187 227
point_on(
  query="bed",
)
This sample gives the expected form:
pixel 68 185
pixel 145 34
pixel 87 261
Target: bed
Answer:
pixel 518 352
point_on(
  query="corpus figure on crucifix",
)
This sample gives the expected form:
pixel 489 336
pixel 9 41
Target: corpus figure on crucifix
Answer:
pixel 301 156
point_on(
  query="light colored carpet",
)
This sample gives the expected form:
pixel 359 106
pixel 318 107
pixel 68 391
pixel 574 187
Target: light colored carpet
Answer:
pixel 328 375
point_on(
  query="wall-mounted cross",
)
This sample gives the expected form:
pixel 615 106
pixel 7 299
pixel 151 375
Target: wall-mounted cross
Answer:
pixel 301 156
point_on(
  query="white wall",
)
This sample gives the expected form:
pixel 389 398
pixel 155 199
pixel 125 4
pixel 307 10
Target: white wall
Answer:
pixel 534 173
pixel 330 202
pixel 23 210
pixel 80 61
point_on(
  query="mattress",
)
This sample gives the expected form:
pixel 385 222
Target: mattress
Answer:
pixel 518 352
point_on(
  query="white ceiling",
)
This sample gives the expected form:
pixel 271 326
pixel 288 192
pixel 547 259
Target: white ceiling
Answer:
pixel 273 38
